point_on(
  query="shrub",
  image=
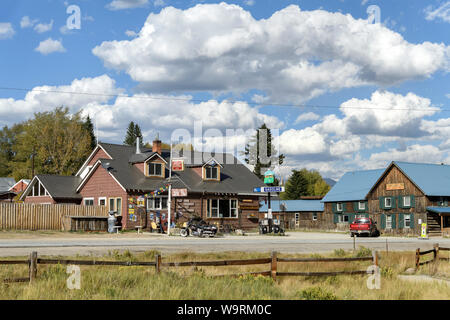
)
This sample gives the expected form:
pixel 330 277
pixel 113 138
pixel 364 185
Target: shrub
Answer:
pixel 316 293
pixel 339 252
pixel 363 252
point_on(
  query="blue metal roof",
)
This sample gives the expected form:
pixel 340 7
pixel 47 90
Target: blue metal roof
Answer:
pixel 293 205
pixel 439 209
pixel 353 186
pixel 6 184
pixel 432 179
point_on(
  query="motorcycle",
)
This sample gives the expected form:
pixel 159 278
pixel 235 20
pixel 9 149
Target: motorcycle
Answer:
pixel 198 227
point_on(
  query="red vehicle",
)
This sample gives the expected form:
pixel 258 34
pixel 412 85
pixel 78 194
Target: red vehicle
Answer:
pixel 364 226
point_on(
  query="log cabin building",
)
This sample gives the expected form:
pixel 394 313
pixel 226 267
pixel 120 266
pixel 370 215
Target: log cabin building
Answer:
pixel 399 198
pixel 133 183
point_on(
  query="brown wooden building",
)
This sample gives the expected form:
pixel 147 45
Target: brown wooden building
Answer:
pixel 133 183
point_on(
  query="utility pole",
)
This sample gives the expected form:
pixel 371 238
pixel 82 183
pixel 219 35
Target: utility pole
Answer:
pixel 169 202
pixel 32 163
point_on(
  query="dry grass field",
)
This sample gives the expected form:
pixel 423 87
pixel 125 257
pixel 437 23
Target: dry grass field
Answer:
pixel 186 283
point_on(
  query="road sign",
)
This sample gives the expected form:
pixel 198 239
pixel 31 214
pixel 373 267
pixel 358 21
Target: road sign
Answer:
pixel 269 189
pixel 269 176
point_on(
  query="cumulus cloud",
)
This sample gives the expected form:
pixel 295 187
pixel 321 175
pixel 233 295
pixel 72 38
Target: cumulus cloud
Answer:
pixel 49 46
pixel 6 30
pixel 26 22
pixel 442 12
pixel 45 98
pixel 43 27
pixel 126 4
pixel 293 55
pixel 307 116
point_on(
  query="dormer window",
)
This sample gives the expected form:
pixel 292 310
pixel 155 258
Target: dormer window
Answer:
pixel 155 169
pixel 211 172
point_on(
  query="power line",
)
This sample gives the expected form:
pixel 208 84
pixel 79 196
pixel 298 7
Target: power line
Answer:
pixel 226 100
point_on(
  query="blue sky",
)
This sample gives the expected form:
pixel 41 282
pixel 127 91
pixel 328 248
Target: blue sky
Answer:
pixel 344 94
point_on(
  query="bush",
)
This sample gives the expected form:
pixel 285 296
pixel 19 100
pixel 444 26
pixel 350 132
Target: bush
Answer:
pixel 339 252
pixel 316 293
pixel 363 252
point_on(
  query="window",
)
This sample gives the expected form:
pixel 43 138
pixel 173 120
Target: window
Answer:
pixel 88 201
pixel 211 172
pixel 155 169
pixel 38 190
pixel 115 204
pixel 102 201
pixel 218 208
pixel 339 207
pixel 387 202
pixel 343 218
pixel 407 221
pixel 388 222
pixel 157 203
pixel 407 201
pixel 361 205
pixel 314 216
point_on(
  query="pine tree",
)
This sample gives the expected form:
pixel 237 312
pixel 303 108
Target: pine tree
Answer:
pixel 262 156
pixel 90 129
pixel 130 138
pixel 296 186
pixel 138 134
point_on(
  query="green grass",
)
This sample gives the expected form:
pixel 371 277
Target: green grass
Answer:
pixel 189 283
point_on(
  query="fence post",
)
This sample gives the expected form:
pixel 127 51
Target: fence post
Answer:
pixel 273 266
pixel 158 263
pixel 417 258
pixel 33 266
pixel 375 258
pixel 436 252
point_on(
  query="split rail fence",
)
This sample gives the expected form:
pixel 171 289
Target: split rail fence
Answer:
pixel 434 251
pixel 274 261
pixel 29 216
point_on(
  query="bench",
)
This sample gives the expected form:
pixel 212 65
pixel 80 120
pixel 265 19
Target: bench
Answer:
pixel 117 228
pixel 139 228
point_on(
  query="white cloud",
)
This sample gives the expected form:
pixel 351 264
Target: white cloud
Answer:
pixel 293 55
pixel 249 2
pixel 6 30
pixel 43 27
pixel 26 22
pixel 45 98
pixel 442 12
pixel 126 4
pixel 301 142
pixel 307 116
pixel 49 46
pixel 131 33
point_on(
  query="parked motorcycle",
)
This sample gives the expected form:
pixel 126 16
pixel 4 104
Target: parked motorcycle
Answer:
pixel 198 227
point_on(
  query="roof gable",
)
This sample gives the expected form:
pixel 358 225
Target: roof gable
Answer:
pixel 353 186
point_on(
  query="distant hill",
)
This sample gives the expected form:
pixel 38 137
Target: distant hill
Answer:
pixel 330 182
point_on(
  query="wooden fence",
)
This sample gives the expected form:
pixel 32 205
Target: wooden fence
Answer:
pixel 28 216
pixel 33 262
pixel 434 251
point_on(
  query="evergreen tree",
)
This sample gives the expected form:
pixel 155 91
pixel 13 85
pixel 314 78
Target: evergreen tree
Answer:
pixel 138 134
pixel 89 127
pixel 130 138
pixel 296 186
pixel 260 152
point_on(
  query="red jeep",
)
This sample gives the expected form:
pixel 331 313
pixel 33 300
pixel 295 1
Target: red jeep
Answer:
pixel 364 226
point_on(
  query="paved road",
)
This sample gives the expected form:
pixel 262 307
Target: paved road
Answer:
pixel 295 242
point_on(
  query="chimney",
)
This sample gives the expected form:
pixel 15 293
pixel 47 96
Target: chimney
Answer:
pixel 157 145
pixel 138 146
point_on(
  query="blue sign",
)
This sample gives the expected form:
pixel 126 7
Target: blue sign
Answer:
pixel 269 189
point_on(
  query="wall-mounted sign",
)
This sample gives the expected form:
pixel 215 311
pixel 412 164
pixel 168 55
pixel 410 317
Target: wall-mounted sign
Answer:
pixel 141 202
pixel 395 186
pixel 179 192
pixel 178 165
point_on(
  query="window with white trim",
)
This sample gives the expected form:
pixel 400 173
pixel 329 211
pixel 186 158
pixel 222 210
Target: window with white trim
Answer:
pixel 211 172
pixel 407 221
pixel 222 208
pixel 38 190
pixel 343 218
pixel 102 201
pixel 157 203
pixel 407 201
pixel 387 202
pixel 115 204
pixel 388 222
pixel 155 169
pixel 361 205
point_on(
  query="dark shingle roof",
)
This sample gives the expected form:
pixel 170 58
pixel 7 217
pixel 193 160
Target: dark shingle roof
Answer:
pixel 60 187
pixel 235 177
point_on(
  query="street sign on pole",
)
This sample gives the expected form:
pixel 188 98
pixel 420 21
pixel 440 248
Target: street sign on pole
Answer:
pixel 269 189
pixel 269 176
